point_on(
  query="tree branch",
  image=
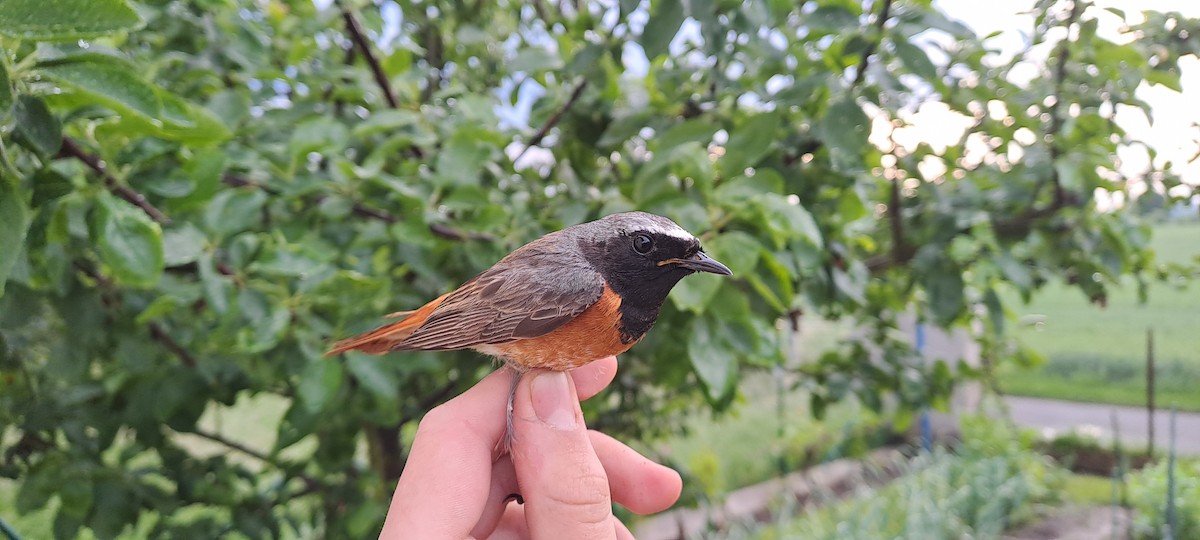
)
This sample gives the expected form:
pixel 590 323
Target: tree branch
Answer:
pixel 554 119
pixel 899 249
pixel 310 482
pixel 865 60
pixel 72 150
pixel 157 333
pixel 171 345
pixel 360 40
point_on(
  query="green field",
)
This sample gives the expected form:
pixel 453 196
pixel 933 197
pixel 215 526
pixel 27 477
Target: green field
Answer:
pixel 1099 354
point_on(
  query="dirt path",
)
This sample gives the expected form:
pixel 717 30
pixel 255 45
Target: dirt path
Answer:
pixel 1064 416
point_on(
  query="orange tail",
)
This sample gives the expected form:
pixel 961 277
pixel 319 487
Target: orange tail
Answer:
pixel 387 337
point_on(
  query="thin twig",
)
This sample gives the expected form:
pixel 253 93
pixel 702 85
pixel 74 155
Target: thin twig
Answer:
pixel 364 46
pixel 156 331
pixel 71 149
pixel 160 335
pixel 450 233
pixel 872 45
pixel 234 445
pixel 365 211
pixel 554 119
pixel 234 180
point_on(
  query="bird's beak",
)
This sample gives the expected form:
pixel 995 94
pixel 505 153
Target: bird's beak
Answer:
pixel 701 262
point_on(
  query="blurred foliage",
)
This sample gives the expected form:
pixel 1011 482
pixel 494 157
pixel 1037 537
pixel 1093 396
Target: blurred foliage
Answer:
pixel 196 196
pixel 1148 495
pixel 990 482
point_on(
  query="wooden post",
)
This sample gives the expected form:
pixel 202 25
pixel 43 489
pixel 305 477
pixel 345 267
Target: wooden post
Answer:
pixel 1150 389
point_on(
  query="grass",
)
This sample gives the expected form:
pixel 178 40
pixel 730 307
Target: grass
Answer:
pixel 744 447
pixel 1098 354
pixel 1087 490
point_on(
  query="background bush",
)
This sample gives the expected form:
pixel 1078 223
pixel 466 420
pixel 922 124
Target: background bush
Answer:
pixel 196 196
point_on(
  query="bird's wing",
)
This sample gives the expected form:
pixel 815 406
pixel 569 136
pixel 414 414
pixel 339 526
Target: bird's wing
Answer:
pixel 516 299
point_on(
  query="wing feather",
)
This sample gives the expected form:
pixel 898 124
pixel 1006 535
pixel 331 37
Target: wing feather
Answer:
pixel 521 297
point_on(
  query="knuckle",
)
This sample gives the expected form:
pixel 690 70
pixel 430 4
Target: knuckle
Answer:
pixel 586 497
pixel 437 419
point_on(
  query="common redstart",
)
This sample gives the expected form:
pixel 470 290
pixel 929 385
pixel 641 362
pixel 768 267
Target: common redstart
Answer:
pixel 570 297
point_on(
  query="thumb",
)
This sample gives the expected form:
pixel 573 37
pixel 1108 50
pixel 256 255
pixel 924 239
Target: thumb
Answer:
pixel 564 486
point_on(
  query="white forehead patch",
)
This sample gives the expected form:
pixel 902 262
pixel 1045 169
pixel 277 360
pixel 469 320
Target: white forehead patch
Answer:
pixel 657 225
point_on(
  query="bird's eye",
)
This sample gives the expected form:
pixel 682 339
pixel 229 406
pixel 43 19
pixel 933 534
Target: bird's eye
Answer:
pixel 642 243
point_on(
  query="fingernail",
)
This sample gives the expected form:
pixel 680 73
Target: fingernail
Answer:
pixel 552 400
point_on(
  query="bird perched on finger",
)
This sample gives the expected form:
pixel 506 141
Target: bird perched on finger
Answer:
pixel 566 299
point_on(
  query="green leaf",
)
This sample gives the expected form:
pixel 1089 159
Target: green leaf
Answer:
pixel 695 292
pixel 832 18
pixel 320 134
pixel 182 245
pixel 37 128
pixel 372 376
pixel 49 185
pixel 995 310
pixel 915 59
pixel 1165 77
pixel 111 84
pixel 1014 271
pixel 737 249
pixel 14 224
pixel 844 131
pixel 790 222
pixel 204 171
pixel 698 130
pixel 462 160
pixel 61 20
pixel 711 357
pixel 266 332
pixel 944 284
pixel 215 285
pixel 749 143
pixel 234 211
pixel 319 383
pixel 189 123
pixel 534 59
pixel 130 243
pixel 666 17
pixel 740 188
pixel 6 94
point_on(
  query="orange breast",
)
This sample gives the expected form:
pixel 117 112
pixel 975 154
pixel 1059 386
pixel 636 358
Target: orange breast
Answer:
pixel 593 335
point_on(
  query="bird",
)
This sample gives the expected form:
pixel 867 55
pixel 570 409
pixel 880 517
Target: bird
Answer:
pixel 571 297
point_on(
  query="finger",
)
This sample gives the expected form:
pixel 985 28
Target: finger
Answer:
pixel 503 490
pixel 511 525
pixel 445 483
pixel 565 488
pixel 594 377
pixel 637 483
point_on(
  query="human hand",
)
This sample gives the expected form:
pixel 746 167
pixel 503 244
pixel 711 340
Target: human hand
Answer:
pixel 454 487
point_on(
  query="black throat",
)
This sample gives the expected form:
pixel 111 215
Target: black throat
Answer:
pixel 642 287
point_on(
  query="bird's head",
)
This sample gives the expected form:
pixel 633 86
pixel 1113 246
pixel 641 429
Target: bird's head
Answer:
pixel 642 256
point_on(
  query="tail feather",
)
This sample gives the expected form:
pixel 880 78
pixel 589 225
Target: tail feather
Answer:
pixel 390 336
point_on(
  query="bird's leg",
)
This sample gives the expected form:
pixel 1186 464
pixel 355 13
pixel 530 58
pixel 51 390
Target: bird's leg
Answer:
pixel 509 435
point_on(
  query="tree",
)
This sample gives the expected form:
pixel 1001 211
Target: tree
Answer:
pixel 196 196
